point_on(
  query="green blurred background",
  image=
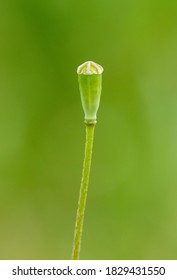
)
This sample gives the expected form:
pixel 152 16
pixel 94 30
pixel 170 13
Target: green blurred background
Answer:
pixel 132 203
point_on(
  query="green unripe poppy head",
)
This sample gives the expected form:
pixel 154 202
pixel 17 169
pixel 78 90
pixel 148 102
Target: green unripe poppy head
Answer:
pixel 90 85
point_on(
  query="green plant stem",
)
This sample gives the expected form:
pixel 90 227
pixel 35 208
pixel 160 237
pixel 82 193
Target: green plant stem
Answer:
pixel 83 191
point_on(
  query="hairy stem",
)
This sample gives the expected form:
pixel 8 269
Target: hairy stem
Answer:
pixel 83 191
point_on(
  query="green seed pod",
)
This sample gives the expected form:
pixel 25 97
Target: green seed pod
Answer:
pixel 90 84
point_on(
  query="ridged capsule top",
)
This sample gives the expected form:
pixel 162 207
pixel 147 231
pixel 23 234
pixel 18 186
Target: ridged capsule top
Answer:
pixel 90 68
pixel 90 85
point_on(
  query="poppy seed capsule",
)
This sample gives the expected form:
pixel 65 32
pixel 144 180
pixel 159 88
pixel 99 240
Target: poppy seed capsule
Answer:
pixel 90 84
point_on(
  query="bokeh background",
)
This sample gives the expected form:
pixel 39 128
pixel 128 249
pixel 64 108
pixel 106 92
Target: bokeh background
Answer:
pixel 132 202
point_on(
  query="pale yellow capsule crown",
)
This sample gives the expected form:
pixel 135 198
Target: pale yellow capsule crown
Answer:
pixel 90 68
